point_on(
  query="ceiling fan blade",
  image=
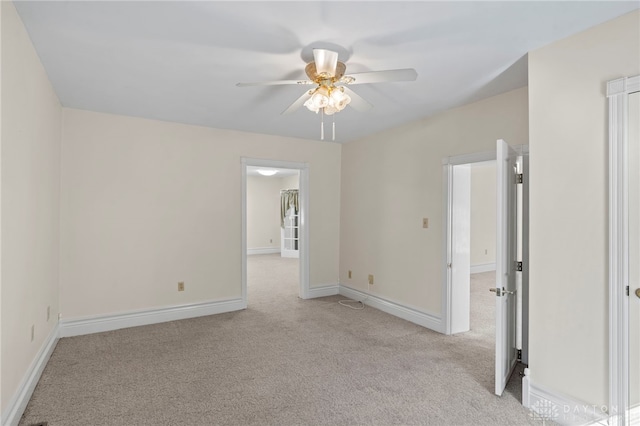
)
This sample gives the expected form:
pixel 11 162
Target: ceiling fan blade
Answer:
pixel 405 74
pixel 326 61
pixel 357 102
pixel 298 103
pixel 275 83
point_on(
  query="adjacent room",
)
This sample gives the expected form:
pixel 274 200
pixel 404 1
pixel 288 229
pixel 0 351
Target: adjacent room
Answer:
pixel 244 213
pixel 273 240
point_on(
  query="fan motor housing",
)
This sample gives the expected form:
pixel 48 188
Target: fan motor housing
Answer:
pixel 313 75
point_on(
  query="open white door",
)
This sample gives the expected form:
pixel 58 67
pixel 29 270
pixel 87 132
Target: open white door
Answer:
pixel 506 252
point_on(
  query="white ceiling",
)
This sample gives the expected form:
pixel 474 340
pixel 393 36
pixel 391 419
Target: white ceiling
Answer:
pixel 180 61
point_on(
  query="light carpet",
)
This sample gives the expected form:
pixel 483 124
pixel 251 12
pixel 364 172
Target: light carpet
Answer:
pixel 283 361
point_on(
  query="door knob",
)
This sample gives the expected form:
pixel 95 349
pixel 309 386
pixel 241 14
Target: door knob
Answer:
pixel 638 292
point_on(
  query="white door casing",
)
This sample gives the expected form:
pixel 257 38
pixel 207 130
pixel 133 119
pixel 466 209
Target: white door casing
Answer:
pixel 633 299
pixel 620 412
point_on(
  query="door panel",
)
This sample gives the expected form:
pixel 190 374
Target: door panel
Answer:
pixel 506 353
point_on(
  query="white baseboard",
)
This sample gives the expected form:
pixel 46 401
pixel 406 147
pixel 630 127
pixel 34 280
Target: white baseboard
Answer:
pixel 548 405
pixel 324 291
pixel 77 327
pixel 263 250
pixel 19 401
pixel 413 315
pixel 483 267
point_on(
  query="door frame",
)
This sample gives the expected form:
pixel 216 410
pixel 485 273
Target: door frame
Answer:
pixel 303 199
pixel 447 192
pixel 617 93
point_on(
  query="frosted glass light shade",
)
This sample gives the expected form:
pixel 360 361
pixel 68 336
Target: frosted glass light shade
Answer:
pixel 267 172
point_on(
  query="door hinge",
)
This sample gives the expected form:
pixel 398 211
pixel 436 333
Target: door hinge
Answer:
pixel 519 355
pixel 519 266
pixel 627 290
pixel 519 178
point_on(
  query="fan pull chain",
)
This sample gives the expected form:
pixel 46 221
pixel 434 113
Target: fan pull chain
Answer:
pixel 334 128
pixel 322 125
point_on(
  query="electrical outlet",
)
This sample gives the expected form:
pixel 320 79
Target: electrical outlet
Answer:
pixel 485 251
pixel 33 332
pixel 425 222
pixel 271 241
pixel 48 313
pixel 370 279
pixel 349 273
pixel 181 286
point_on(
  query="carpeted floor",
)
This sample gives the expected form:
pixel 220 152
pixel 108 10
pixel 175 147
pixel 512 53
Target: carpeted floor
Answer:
pixel 283 361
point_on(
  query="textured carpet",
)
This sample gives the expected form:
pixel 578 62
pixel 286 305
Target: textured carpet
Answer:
pixel 283 361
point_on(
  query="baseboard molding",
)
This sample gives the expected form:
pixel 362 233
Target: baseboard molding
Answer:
pixel 263 250
pixel 548 405
pixel 78 327
pixel 324 291
pixel 483 267
pixel 413 315
pixel 18 403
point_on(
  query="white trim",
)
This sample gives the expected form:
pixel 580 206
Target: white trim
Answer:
pixel 304 196
pixel 263 250
pixel 19 401
pixel 410 314
pixel 303 168
pixel 447 190
pixel 617 92
pixel 475 157
pixel 324 291
pixel 483 267
pixel 98 324
pixel 551 405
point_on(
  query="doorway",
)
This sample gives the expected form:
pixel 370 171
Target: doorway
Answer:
pixel 267 241
pixel 273 269
pixel 506 251
pixel 482 240
pixel 456 303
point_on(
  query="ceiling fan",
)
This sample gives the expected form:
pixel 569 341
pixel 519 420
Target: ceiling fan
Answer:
pixel 331 94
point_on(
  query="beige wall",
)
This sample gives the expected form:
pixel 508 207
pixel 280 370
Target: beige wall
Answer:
pixel 145 204
pixel 263 211
pixel 483 213
pixel 391 180
pixel 569 204
pixel 291 182
pixel 30 164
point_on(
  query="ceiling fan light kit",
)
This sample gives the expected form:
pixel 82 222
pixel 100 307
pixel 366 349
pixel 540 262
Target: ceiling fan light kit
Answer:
pixel 328 99
pixel 331 96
